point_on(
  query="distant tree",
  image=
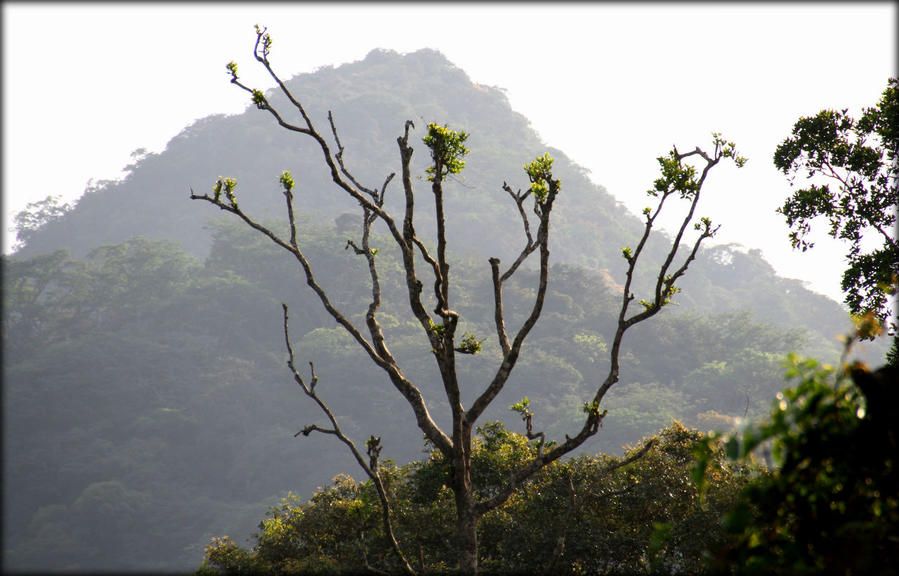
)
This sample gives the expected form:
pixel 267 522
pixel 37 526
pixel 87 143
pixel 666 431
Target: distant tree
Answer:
pixel 859 158
pixel 426 264
pixel 36 215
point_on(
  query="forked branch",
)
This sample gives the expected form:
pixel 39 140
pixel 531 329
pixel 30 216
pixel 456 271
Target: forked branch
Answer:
pixel 371 202
pixel 544 188
pixel 373 445
pixel 677 178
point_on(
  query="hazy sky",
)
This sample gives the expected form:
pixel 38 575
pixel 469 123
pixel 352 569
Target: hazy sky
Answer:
pixel 612 85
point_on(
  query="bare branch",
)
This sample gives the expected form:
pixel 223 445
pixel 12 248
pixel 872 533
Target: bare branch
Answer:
pixel 665 287
pixel 498 279
pixel 405 240
pixel 386 362
pixel 594 417
pixel 345 172
pixel 498 314
pixel 336 169
pixel 529 248
pixel 510 354
pixel 304 263
pixel 374 446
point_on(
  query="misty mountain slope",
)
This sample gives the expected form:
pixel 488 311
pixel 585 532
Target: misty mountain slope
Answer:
pixel 371 100
pixel 148 406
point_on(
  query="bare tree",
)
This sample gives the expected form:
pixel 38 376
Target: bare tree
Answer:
pixel 439 325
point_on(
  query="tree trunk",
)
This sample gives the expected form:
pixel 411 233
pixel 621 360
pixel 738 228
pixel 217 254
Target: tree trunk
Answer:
pixel 467 540
pixel 466 517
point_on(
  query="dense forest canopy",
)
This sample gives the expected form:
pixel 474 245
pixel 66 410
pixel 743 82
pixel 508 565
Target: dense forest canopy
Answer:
pixel 147 408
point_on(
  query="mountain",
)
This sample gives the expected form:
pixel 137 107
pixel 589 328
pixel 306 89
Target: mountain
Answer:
pixel 147 404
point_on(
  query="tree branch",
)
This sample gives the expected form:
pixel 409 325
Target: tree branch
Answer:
pixel 387 363
pixel 405 240
pixel 676 178
pixel 511 351
pixel 374 447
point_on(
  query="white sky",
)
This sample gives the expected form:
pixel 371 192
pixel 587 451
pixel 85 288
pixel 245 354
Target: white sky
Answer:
pixel 612 85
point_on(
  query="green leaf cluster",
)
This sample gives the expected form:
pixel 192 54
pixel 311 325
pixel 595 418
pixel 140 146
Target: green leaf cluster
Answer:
pixel 676 177
pixel 447 149
pixel 227 185
pixel 469 345
pixel 540 175
pixel 232 69
pixel 286 181
pixel 522 407
pixel 728 150
pixel 258 99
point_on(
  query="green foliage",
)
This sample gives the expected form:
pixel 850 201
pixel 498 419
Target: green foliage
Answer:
pixel 591 408
pixel 831 504
pixel 287 181
pixel 470 344
pixel 676 177
pixel 858 157
pixel 728 150
pixel 228 185
pixel 590 345
pixel 892 358
pixel 258 98
pixel 522 407
pixel 232 69
pixel 130 326
pixel 540 174
pixel 261 32
pixel 438 329
pixel 577 516
pixel 447 149
pixel 225 552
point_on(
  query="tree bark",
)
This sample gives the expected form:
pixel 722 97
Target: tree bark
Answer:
pixel 467 532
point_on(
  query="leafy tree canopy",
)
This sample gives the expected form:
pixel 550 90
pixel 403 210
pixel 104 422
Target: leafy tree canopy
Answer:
pixel 574 517
pixel 853 173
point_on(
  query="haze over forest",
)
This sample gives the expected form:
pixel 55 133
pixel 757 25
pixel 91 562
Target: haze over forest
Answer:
pixel 147 405
pixel 607 61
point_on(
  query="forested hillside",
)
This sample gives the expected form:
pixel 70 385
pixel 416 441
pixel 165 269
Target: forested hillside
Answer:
pixel 147 403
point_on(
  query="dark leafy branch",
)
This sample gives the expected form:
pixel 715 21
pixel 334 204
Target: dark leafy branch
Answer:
pixel 853 183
